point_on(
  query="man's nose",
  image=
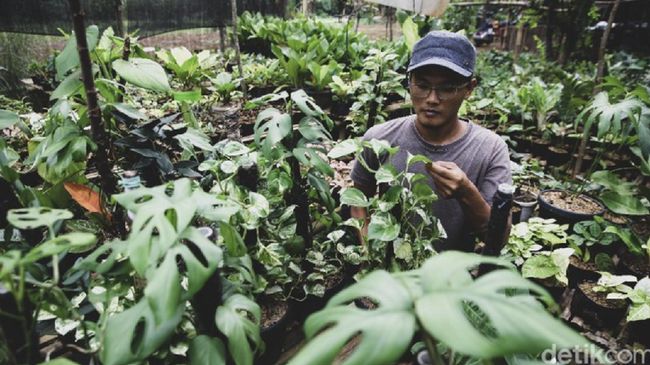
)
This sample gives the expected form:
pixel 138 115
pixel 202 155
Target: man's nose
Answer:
pixel 433 97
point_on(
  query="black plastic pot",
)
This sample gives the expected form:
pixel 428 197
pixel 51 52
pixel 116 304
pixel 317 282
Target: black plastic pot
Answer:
pixel 553 287
pixel 577 272
pixel 523 142
pixel 322 98
pixel 595 313
pixel 563 216
pixel 258 91
pixel 630 264
pixel 274 336
pixel 638 332
pixel 557 156
pixel 313 303
pixel 539 147
pixel 340 108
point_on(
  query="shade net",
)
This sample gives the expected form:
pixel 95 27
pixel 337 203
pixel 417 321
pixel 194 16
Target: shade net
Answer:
pixel 149 17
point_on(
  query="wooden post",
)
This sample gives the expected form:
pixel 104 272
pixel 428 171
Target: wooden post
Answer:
pixel 222 39
pixel 121 18
pixel 94 113
pixel 603 47
pixel 235 38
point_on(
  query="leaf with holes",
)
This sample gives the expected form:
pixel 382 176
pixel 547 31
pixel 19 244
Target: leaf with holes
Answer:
pixel 29 218
pixel 133 335
pixel 271 126
pixel 161 214
pixel 233 319
pixel 309 157
pixel 344 148
pixel 73 242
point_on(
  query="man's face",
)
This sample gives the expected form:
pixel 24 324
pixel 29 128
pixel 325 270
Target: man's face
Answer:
pixel 441 106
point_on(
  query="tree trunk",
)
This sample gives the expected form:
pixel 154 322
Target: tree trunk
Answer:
pixel 222 39
pixel 576 23
pixel 235 38
pixel 603 46
pixel 99 134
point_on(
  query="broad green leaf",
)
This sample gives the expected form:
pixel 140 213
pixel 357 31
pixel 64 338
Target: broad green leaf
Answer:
pixel 383 227
pixel 69 86
pixel 411 33
pixel 129 111
pixel 163 291
pixel 234 148
pixel 69 57
pixel 59 361
pixel 639 312
pixel 29 218
pixel 306 104
pixel 206 350
pixel 233 240
pixel 344 148
pixel 385 174
pixel 312 130
pixel 354 198
pixel 623 204
pixel 144 73
pixel 539 266
pixel 8 119
pixel 309 157
pixel 238 319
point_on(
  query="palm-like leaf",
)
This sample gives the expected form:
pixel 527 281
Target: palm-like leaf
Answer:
pixel 608 116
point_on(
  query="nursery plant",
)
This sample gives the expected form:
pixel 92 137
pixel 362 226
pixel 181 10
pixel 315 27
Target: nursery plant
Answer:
pixel 433 302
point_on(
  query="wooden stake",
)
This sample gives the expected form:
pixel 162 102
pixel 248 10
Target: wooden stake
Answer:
pixel 94 113
pixel 235 38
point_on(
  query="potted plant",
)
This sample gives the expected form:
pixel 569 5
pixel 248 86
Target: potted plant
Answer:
pixel 638 316
pixel 594 245
pixel 425 303
pixel 568 207
pixel 592 301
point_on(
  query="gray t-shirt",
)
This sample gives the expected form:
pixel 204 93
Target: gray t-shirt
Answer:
pixel 480 153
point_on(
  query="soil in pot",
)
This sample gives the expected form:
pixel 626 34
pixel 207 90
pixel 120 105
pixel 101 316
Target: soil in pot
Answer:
pixel 557 156
pixel 525 203
pixel 596 308
pixel 333 284
pixel 568 208
pixel 579 271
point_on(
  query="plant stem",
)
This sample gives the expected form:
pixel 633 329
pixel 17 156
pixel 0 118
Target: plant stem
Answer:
pixel 233 5
pixel 94 113
pixel 603 46
pixel 434 355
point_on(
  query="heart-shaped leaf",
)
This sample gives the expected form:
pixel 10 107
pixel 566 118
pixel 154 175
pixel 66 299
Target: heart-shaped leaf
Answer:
pixel 144 73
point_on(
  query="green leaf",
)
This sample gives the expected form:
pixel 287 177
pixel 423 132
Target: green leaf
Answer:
pixel 69 57
pixel 163 291
pixel 344 148
pixel 8 119
pixel 74 241
pixel 386 331
pixel 306 104
pixel 309 157
pixel 190 96
pixel 144 73
pixel 233 240
pixel 205 350
pixel 539 266
pixel 383 227
pixel 385 174
pixel 29 218
pixel 133 335
pixel 623 204
pixel 234 148
pixel 411 33
pixel 69 86
pixel 129 111
pixel 639 312
pixel 59 361
pixel 354 198
pixel 272 126
pixel 233 319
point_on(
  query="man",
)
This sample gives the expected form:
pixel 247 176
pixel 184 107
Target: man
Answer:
pixel 469 160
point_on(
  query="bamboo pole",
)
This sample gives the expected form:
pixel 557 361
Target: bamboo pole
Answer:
pixel 235 39
pixel 98 131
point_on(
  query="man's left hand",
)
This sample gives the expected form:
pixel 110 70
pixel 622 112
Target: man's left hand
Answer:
pixel 450 180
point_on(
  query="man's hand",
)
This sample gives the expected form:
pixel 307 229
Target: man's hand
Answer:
pixel 451 181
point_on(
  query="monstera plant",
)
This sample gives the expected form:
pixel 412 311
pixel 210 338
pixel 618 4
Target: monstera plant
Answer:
pixel 441 301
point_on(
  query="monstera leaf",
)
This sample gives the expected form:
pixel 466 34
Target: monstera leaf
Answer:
pixel 73 242
pixel 271 126
pixel 29 218
pixel 496 315
pixel 233 319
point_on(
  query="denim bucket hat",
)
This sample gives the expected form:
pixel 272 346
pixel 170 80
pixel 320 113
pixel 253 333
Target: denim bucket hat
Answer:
pixel 442 48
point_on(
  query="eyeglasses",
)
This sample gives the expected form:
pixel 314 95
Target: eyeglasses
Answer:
pixel 443 92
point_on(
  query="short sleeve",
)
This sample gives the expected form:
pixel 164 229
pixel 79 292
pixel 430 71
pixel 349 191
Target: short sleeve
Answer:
pixel 497 172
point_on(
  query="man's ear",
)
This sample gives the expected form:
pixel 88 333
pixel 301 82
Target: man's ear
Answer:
pixel 472 84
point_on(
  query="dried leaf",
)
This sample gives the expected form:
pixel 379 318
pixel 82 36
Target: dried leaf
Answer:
pixel 86 197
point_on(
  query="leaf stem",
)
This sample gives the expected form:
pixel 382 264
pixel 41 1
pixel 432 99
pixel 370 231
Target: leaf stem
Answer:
pixel 434 355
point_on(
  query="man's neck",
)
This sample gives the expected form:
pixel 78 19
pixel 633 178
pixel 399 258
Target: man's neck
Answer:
pixel 444 134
